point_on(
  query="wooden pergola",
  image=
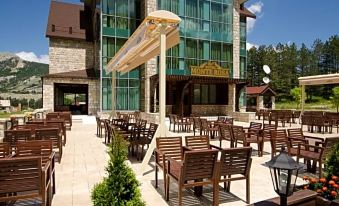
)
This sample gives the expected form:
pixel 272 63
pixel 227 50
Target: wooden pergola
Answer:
pixel 316 80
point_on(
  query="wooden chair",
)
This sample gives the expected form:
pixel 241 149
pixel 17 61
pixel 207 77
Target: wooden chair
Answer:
pixel 317 152
pixel 59 125
pixel 40 148
pixel 67 117
pixel 278 140
pixel 14 136
pixel 198 168
pixel 240 136
pixel 146 138
pixel 208 129
pixel 5 150
pixel 297 134
pixel 51 134
pixel 27 180
pixel 236 161
pixel 199 143
pixel 196 125
pixel 225 133
pixel 166 147
pixel 171 119
pixel 52 115
pixel 266 133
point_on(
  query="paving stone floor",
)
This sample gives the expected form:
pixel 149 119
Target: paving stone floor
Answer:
pixel 84 160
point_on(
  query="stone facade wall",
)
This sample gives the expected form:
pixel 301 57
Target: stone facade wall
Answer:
pixel 236 39
pixel 69 55
pixel 93 92
pixel 243 116
pixel 210 110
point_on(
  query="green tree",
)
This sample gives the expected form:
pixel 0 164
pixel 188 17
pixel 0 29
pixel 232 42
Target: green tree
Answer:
pixel 335 97
pixel 296 94
pixel 121 185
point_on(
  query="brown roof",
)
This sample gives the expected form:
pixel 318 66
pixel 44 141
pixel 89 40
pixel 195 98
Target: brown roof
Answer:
pixel 78 74
pixel 68 21
pixel 259 90
pixel 247 13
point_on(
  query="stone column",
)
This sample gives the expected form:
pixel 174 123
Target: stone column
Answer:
pixel 273 102
pixel 48 94
pixel 150 66
pixel 236 39
pixel 231 98
pixel 260 102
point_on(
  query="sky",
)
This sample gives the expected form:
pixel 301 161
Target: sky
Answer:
pixel 23 24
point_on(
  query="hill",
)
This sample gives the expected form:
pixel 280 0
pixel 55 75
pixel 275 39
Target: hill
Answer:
pixel 20 78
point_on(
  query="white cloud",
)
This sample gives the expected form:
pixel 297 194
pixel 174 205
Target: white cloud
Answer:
pixel 250 45
pixel 32 57
pixel 255 8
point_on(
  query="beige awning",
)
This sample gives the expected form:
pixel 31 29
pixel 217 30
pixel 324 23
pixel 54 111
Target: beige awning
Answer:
pixel 319 79
pixel 144 43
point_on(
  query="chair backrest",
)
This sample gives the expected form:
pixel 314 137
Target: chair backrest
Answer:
pixel 295 133
pixel 235 161
pixel 20 174
pixel 278 140
pixel 5 149
pixel 49 134
pixel 255 126
pixel 170 146
pixel 238 133
pixel 199 165
pixel 40 148
pixel 228 120
pixel 204 123
pixel 221 119
pixel 67 116
pixel 52 115
pixel 225 132
pixel 196 122
pixel 14 136
pixel 267 130
pixel 197 142
pixel 152 130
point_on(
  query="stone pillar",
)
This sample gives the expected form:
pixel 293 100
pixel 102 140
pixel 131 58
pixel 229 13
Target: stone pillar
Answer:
pixel 150 66
pixel 48 94
pixel 236 39
pixel 273 102
pixel 260 102
pixel 231 98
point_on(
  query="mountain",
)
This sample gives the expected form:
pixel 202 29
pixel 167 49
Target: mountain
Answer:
pixel 18 76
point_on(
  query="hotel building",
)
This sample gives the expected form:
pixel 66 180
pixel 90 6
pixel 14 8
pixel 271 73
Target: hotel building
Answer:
pixel 206 72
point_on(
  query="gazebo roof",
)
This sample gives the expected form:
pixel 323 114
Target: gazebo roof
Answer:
pixel 319 79
pixel 261 90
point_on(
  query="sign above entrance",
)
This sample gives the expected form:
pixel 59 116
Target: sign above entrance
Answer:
pixel 210 69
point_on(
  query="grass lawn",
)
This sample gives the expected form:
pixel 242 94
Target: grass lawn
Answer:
pixel 7 115
pixel 318 103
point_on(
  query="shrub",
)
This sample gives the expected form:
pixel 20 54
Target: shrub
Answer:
pixel 121 186
pixel 332 162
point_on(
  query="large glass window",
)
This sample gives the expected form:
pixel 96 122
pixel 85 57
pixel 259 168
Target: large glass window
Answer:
pixel 204 94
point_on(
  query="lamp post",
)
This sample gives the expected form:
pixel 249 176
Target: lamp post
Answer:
pixel 284 172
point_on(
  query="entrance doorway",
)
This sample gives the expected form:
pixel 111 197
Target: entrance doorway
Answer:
pixel 71 97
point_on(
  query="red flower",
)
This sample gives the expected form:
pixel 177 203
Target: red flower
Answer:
pixel 324 189
pixel 314 180
pixel 331 182
pixel 334 193
pixel 322 180
pixel 335 178
pixel 336 186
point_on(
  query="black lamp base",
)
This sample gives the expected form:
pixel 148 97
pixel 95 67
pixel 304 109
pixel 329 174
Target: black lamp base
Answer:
pixel 283 201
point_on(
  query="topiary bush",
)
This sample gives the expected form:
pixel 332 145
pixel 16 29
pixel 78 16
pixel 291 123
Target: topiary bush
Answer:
pixel 120 188
pixel 332 162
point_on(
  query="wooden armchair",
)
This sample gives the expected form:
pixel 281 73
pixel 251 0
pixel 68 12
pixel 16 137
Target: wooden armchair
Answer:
pixel 196 125
pixel 51 134
pixel 246 139
pixel 27 180
pixel 198 168
pixel 225 133
pixel 166 147
pixel 236 161
pixel 43 149
pixel 295 135
pixel 67 117
pixel 317 152
pixel 146 138
pixel 5 150
pixel 266 133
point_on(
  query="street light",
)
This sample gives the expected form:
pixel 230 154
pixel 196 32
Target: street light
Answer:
pixel 284 172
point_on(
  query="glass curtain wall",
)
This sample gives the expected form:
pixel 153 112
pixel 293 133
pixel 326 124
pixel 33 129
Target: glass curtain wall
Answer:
pixel 205 31
pixel 120 18
pixel 243 59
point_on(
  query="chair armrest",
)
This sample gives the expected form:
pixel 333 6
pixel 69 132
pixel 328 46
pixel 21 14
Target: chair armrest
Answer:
pixel 297 139
pixel 307 148
pixel 215 147
pixel 315 138
pixel 185 148
pixel 158 152
pixel 170 162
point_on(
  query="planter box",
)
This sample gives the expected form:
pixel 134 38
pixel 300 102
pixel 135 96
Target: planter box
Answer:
pixel 320 201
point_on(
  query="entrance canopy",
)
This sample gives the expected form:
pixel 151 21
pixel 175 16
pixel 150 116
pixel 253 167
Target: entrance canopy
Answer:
pixel 319 79
pixel 144 44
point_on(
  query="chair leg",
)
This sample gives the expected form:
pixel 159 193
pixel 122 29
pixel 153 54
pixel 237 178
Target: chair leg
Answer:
pixel 216 193
pixel 248 190
pixel 156 176
pixel 320 168
pixel 167 187
pixel 180 197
